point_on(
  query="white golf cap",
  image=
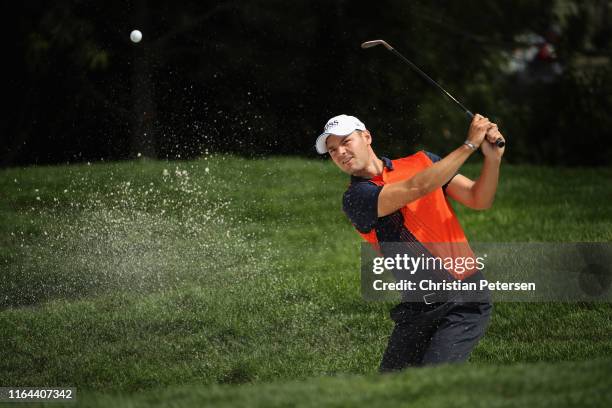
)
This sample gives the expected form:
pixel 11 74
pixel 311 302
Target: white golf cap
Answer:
pixel 341 125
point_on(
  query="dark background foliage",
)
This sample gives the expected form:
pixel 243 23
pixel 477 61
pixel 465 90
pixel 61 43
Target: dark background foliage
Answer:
pixel 262 77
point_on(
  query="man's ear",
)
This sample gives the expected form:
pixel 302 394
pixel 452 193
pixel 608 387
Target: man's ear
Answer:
pixel 367 135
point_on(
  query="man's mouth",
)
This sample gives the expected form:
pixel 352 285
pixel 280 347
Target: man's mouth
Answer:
pixel 345 162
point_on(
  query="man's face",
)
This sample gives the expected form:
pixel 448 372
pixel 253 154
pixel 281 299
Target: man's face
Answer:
pixel 350 153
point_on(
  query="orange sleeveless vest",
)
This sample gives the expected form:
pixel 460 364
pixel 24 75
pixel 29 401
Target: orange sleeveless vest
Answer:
pixel 431 219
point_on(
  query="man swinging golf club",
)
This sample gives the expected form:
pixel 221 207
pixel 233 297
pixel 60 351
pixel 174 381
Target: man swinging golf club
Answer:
pixel 406 200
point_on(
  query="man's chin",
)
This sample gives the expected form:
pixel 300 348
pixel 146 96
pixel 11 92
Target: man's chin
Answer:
pixel 349 168
pixel 349 171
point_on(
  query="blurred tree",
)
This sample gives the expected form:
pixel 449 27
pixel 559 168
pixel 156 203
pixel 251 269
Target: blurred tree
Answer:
pixel 144 130
pixel 262 77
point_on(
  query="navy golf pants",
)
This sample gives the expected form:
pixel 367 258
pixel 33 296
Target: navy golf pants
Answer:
pixel 434 334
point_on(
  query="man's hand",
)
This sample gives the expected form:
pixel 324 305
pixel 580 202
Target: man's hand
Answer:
pixel 480 194
pixel 478 129
pixel 490 149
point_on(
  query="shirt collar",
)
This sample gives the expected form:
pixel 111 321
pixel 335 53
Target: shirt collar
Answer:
pixel 386 163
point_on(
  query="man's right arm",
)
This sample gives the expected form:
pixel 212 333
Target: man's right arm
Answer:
pixel 396 195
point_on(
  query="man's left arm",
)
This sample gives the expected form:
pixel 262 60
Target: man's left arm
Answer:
pixel 480 194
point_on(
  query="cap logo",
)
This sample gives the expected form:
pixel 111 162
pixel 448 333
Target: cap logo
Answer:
pixel 331 124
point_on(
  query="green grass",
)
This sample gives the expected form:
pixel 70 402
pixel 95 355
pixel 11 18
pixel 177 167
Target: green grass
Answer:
pixel 567 384
pixel 137 276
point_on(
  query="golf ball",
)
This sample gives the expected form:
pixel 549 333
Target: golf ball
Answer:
pixel 136 36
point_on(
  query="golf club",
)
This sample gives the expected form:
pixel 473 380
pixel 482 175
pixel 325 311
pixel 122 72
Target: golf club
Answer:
pixel 374 43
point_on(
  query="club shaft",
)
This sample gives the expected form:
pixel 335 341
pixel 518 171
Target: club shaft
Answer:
pixel 432 82
pixel 499 142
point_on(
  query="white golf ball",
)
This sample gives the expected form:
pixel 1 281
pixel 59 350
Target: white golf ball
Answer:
pixel 136 36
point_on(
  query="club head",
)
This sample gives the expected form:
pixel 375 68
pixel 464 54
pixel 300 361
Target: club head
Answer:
pixel 374 43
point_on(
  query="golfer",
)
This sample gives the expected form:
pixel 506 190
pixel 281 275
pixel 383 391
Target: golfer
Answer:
pixel 406 200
